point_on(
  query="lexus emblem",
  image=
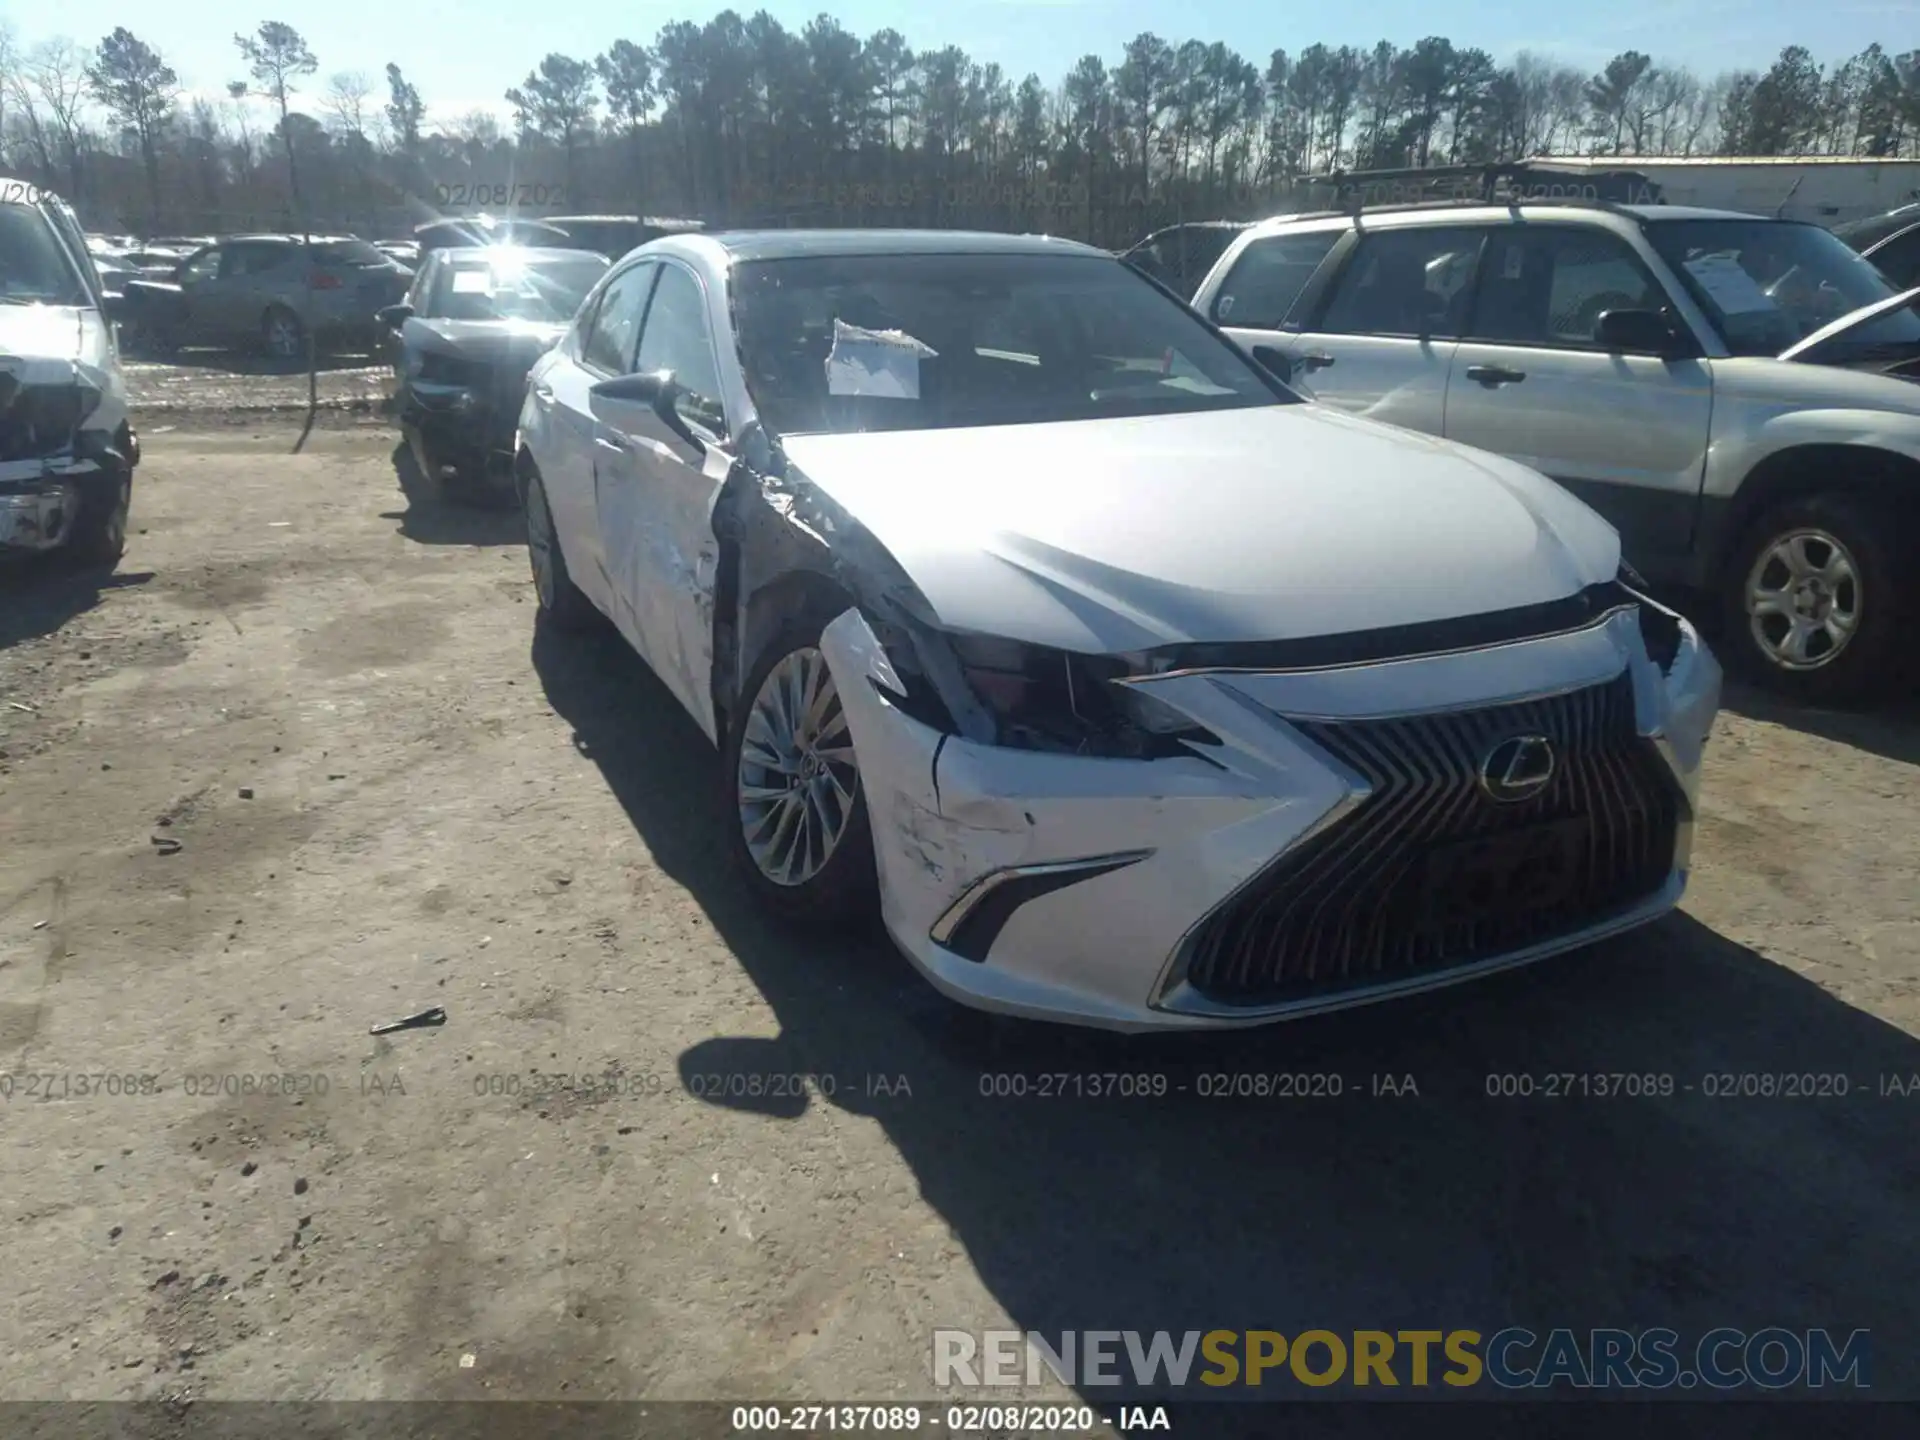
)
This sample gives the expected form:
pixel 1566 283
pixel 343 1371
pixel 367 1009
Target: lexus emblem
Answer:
pixel 1517 768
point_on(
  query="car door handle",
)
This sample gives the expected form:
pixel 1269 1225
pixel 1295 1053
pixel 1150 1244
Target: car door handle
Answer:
pixel 619 444
pixel 1316 360
pixel 542 394
pixel 1493 376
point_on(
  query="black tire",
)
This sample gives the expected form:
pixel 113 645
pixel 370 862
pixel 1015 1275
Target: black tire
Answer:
pixel 100 533
pixel 844 892
pixel 562 603
pixel 279 322
pixel 1882 595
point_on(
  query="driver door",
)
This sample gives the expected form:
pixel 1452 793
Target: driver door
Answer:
pixel 656 490
pixel 1626 433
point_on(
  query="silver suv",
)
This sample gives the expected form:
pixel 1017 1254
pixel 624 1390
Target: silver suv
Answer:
pixel 1735 394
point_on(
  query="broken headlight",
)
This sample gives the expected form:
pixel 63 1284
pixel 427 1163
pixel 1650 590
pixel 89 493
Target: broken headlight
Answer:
pixel 1060 700
pixel 1659 626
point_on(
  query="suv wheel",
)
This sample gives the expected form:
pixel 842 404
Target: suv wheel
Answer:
pixel 1814 600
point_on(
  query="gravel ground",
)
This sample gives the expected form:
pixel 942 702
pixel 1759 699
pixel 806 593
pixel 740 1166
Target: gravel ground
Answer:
pixel 207 382
pixel 303 764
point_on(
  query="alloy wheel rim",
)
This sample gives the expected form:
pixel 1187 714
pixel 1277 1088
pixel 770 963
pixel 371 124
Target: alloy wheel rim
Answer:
pixel 797 782
pixel 540 544
pixel 1804 599
pixel 282 339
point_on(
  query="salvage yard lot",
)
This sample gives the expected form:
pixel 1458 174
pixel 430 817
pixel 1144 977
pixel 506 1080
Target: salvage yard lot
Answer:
pixel 388 792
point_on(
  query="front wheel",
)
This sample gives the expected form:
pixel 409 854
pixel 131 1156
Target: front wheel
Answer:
pixel 795 811
pixel 1814 600
pixel 100 532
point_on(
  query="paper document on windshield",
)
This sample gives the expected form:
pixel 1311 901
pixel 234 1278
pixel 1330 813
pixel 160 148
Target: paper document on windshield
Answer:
pixel 472 282
pixel 1729 286
pixel 883 363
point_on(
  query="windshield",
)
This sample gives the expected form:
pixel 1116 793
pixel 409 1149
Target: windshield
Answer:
pixel 922 342
pixel 1768 283
pixel 547 290
pixel 34 267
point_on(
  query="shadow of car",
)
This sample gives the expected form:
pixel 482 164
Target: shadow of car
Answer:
pixel 1211 1192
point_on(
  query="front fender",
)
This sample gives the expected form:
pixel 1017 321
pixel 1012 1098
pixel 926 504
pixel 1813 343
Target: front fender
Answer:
pixel 1741 443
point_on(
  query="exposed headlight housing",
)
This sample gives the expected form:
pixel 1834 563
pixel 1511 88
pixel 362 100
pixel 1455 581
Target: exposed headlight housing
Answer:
pixel 1659 626
pixel 1060 700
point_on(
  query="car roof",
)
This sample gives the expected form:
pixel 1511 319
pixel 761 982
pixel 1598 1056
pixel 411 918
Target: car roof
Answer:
pixel 1442 213
pixel 535 252
pixel 789 244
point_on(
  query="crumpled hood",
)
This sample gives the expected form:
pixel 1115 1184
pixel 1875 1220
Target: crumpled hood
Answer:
pixel 59 334
pixel 486 340
pixel 1272 523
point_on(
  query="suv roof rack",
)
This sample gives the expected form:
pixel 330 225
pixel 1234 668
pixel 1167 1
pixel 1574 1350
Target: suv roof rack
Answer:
pixel 1514 182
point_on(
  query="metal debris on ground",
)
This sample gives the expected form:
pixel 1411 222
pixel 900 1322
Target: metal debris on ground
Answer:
pixel 433 1015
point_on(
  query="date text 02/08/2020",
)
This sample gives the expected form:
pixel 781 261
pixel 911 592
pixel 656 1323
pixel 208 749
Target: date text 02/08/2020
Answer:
pixel 474 197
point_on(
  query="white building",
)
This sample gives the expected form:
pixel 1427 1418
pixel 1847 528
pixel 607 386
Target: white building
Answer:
pixel 1826 189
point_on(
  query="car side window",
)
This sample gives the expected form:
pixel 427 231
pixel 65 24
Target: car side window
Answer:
pixel 203 266
pixel 423 281
pixel 1548 286
pixel 1899 259
pixel 677 337
pixel 1411 281
pixel 615 332
pixel 1268 277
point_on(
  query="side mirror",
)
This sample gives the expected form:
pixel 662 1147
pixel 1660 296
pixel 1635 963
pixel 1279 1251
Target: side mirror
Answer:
pixel 1274 362
pixel 655 390
pixel 393 316
pixel 1640 332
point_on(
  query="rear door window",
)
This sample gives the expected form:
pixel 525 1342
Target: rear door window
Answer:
pixel 1413 281
pixel 1259 291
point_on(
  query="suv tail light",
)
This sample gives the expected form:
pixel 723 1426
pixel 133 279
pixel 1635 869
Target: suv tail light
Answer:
pixel 325 280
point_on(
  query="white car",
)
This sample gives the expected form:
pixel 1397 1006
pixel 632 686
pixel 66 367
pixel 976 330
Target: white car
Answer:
pixel 67 446
pixel 1136 691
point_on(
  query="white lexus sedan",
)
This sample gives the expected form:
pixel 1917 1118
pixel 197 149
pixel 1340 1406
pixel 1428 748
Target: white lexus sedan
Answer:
pixel 1135 690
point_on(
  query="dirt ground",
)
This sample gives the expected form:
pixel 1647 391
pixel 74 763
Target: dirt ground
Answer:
pixel 304 764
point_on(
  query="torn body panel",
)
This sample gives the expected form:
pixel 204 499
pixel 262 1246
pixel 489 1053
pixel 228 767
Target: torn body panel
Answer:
pixel 948 812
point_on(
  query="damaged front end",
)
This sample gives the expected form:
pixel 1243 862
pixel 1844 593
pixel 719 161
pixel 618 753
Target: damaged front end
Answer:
pixel 53 464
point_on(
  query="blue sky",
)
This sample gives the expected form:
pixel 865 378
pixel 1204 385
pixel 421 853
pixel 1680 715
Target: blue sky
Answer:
pixel 463 53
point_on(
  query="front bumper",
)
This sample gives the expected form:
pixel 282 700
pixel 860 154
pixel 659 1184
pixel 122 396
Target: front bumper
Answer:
pixel 1072 888
pixel 41 500
pixel 462 428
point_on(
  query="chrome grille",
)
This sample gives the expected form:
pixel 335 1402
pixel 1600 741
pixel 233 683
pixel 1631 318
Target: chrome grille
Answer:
pixel 1352 905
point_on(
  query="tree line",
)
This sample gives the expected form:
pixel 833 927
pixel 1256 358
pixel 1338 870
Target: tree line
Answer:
pixel 743 121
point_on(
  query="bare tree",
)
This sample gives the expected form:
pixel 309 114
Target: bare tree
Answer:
pixel 346 101
pixel 54 79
